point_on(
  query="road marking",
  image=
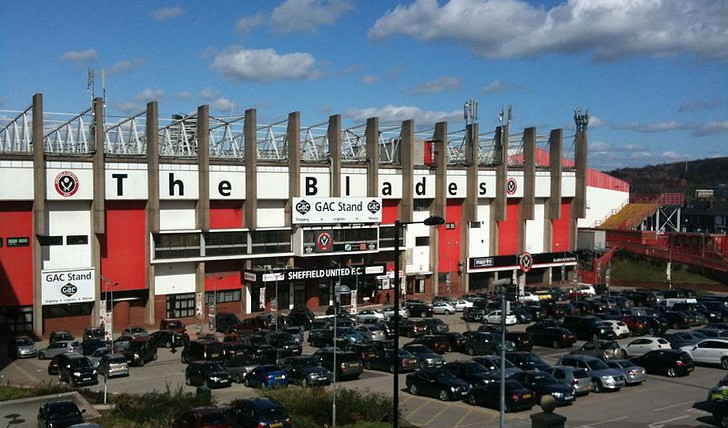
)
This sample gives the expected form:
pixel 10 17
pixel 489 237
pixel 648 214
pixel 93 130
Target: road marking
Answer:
pixel 27 373
pixel 674 405
pixel 662 423
pixel 603 422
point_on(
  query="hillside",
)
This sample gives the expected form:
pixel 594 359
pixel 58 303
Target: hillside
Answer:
pixel 680 177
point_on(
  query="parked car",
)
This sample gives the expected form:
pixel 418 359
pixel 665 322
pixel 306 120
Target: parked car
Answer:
pixel 204 350
pixel 267 376
pixel 412 328
pixel 140 351
pixel 709 351
pixel 522 315
pixel 371 333
pixel 60 335
pixel 21 347
pixel 435 326
pixel 644 345
pixel 113 365
pixel 526 360
pixel 167 338
pixel 678 319
pixel 98 354
pixel 389 312
pixel 633 374
pixel 436 343
pixel 207 373
pixel 473 314
pixel 59 347
pixel 240 365
pixel 683 338
pixel 669 362
pixel 588 327
pixel 575 377
pixel 201 417
pixel 461 304
pixel 284 343
pixel 426 357
pixel 418 308
pixel 719 410
pixel 76 370
pixel 88 346
pixel 603 377
pixel 474 373
pixel 494 317
pixel 443 308
pixel 225 320
pixel 517 396
pixel 384 360
pixel 493 363
pixel 437 382
pixel 619 327
pixel 306 371
pixel 556 337
pixel 368 314
pixel 62 413
pixel 348 364
pixel 121 342
pixel 135 330
pixel 455 340
pixel 482 342
pixel 544 384
pixel 520 339
pixel 258 412
pixel 365 351
pixel 604 349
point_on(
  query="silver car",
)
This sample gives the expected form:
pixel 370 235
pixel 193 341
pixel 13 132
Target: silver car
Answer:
pixel 371 333
pixel 112 365
pixel 575 377
pixel 633 374
pixel 22 347
pixel 59 348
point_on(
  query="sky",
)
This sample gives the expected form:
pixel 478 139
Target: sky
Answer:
pixel 653 74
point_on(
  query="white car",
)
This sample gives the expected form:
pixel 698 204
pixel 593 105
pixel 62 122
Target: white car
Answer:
pixel 586 290
pixel 709 351
pixel 462 304
pixel 370 314
pixel 443 308
pixel 619 328
pixel 528 297
pixel 494 317
pixel 389 312
pixel 644 345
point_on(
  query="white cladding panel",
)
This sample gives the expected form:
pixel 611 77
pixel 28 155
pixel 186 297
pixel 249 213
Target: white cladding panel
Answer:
pixel 127 184
pixel 457 185
pixel 424 184
pixel 315 183
pixel 71 218
pixel 273 183
pixel 568 184
pixel 354 184
pixel 177 215
pixel 390 184
pixel 271 213
pixel 69 181
pixel 486 184
pixel 417 258
pixel 543 184
pixel 227 185
pixel 535 229
pixel 178 183
pixel 174 278
pixel 600 203
pixel 16 180
pixel 514 184
pixel 479 237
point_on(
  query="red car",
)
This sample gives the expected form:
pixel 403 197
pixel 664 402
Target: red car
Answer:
pixel 202 417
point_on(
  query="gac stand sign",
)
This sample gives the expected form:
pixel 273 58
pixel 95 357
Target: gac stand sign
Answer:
pixel 67 286
pixel 336 210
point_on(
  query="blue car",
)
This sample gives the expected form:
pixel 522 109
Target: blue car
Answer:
pixel 267 376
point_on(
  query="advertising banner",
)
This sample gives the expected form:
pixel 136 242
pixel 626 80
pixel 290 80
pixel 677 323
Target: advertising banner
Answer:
pixel 67 286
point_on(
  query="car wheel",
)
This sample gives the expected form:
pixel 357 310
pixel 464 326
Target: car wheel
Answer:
pixel 41 356
pixel 168 344
pixel 413 389
pixel 444 396
pixel 447 312
pixel 391 369
pixel 471 400
pixel 155 356
pixel 187 380
pixel 304 382
pixel 184 359
pixel 555 345
pixel 724 363
pixel 247 383
pixel 471 351
pixel 671 372
pixel 597 386
pixel 368 365
pixel 141 362
pixel 60 378
pixel 724 422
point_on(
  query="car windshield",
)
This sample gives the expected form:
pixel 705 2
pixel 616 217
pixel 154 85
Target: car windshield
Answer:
pixel 273 413
pixel 444 374
pixel 304 362
pixel 80 363
pixel 217 418
pixel 598 365
pixel 64 410
pixel 174 324
pixel 211 367
pixel 25 341
pixel 136 345
pixel 542 378
pixel 473 368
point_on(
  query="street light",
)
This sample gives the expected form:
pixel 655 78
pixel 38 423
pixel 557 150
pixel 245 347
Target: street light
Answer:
pixel 338 291
pixel 430 221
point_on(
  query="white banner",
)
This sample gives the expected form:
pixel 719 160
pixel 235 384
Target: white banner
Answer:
pixel 67 286
pixel 336 210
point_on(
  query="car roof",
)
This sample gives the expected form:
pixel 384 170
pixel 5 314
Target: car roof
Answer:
pixel 263 403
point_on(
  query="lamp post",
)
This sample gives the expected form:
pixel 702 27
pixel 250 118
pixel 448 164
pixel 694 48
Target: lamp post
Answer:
pixel 430 221
pixel 338 291
pixel 110 287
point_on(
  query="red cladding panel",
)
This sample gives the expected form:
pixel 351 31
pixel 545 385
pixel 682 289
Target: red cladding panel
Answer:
pixel 223 275
pixel 123 245
pixel 16 263
pixel 449 239
pixel 561 227
pixel 226 214
pixel 508 230
pixel 389 210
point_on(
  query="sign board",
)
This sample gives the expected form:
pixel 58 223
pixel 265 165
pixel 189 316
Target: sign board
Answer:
pixel 336 210
pixel 67 286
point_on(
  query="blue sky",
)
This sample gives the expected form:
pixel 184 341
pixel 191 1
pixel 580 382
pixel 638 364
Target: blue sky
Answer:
pixel 652 73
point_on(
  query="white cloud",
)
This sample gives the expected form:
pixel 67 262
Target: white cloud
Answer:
pixel 698 104
pixel 245 24
pixel 166 13
pixel 126 66
pixel 307 15
pixel 185 95
pixel 707 128
pixel 610 156
pixel 369 79
pixel 395 113
pixel 138 103
pixel 237 64
pixel 652 127
pixel 609 29
pixel 443 84
pixel 496 86
pixel 216 101
pixel 81 57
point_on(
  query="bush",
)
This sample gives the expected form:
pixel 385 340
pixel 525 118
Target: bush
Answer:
pixel 154 409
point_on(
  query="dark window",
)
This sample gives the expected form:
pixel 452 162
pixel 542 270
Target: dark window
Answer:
pixel 17 319
pixel 77 240
pixel 67 310
pixel 18 242
pixel 176 245
pixel 180 305
pixel 226 243
pixel 421 204
pixel 422 241
pixel 47 241
pixel 270 241
pixel 224 296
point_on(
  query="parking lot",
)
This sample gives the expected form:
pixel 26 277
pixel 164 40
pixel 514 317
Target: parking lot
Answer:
pixel 659 402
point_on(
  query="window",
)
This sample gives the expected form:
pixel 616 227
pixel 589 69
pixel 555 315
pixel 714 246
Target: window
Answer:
pixel 180 305
pixel 422 241
pixel 225 243
pixel 271 241
pixel 47 241
pixel 77 240
pixel 17 319
pixel 67 310
pixel 224 296
pixel 18 242
pixel 421 204
pixel 176 245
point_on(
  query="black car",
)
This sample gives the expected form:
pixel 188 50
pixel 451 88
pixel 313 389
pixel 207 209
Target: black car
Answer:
pixel 556 337
pixel 225 320
pixel 285 343
pixel 384 361
pixel 207 373
pixel 517 397
pixel 348 364
pixel 522 340
pixel 206 350
pixel 76 370
pixel 522 315
pixel 472 372
pixel 473 314
pixel 93 333
pixel 60 335
pixel 482 342
pixel 88 346
pixel 301 316
pixel 456 340
pixel 364 350
pixel 588 327
pixel 526 360
pixel 668 362
pixel 683 338
pixel 436 326
pixel 678 319
pixel 426 356
pixel 140 351
pixel 438 383
pixel 240 365
pixel 167 338
pixel 418 308
pixel 60 414
pixel 544 384
pixel 258 412
pixel 306 371
pixel 719 409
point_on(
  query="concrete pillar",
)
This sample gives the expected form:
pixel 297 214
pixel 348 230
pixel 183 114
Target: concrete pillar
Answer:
pixel 407 161
pixel 251 167
pixel 39 214
pixel 333 133
pixel 98 209
pixel 440 204
pixel 293 137
pixel 153 221
pixel 372 147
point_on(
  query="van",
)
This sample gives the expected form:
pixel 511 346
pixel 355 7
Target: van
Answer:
pixel 203 350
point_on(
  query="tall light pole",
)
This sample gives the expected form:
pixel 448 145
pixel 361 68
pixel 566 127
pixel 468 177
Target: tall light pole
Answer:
pixel 338 291
pixel 110 287
pixel 430 221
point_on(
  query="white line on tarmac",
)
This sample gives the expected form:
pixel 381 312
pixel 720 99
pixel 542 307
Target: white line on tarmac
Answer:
pixel 674 405
pixel 603 422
